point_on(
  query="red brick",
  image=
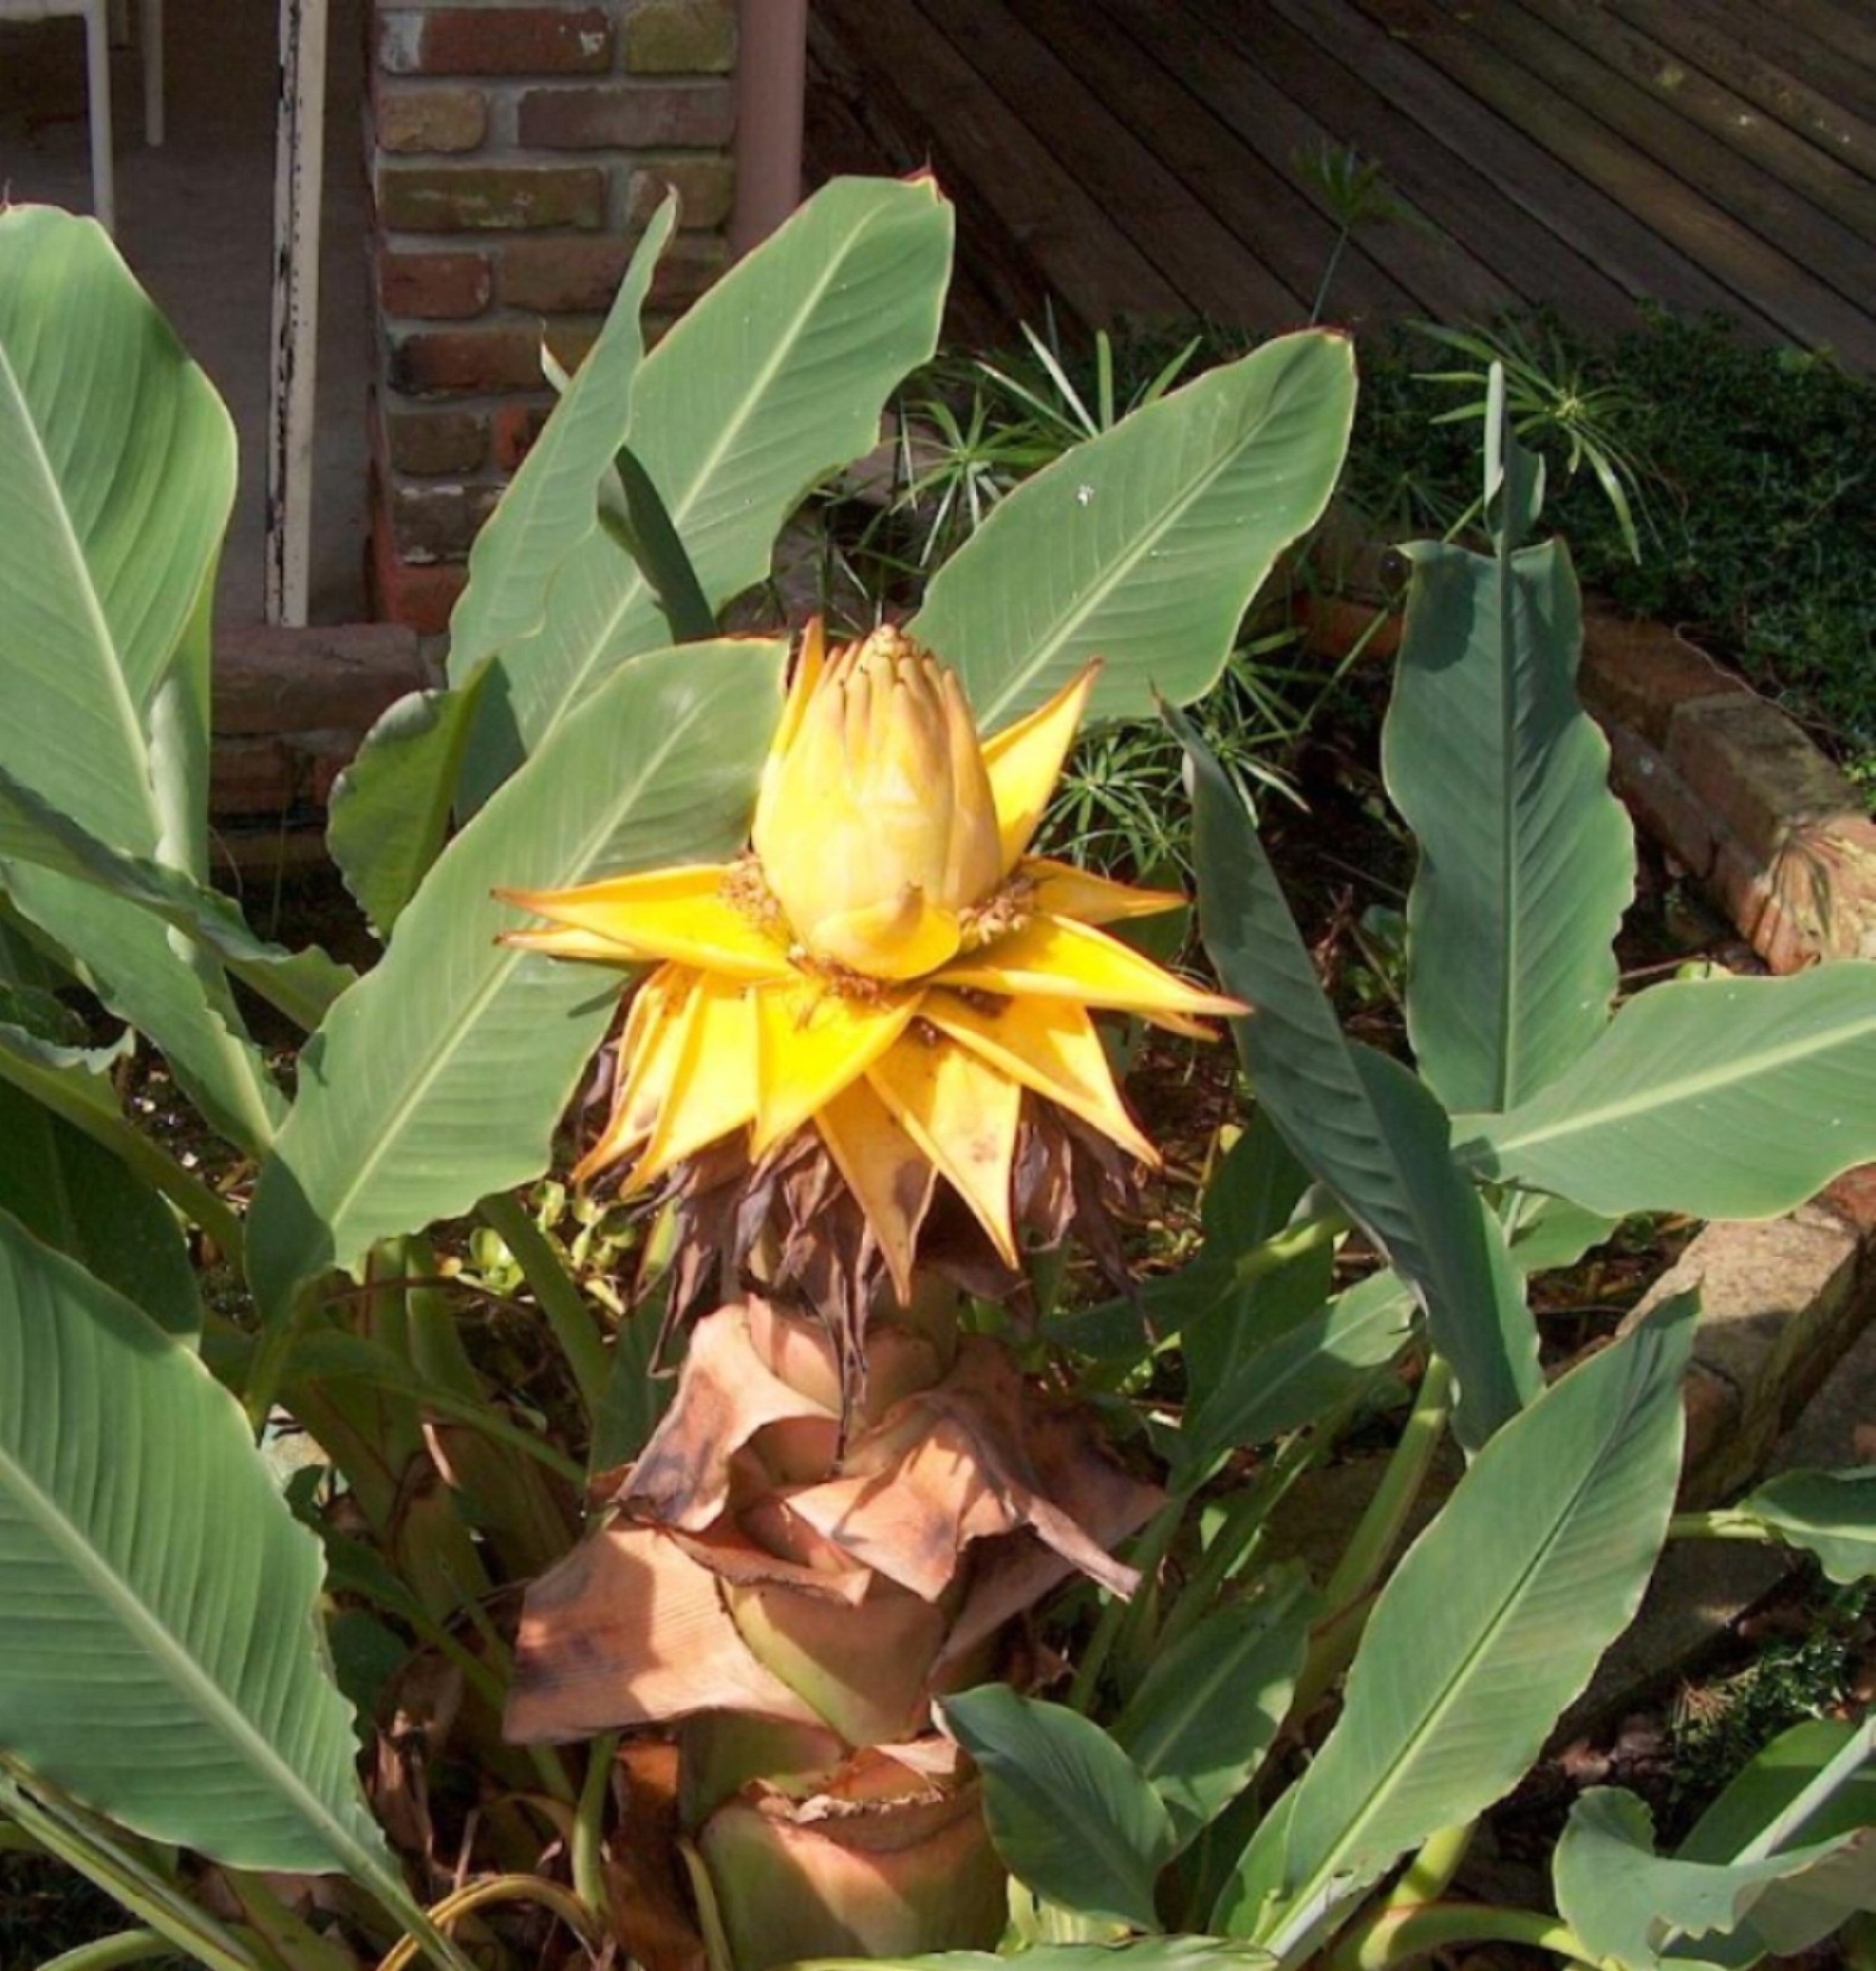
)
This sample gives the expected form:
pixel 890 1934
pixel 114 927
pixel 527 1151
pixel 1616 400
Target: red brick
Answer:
pixel 437 524
pixel 681 37
pixel 628 116
pixel 1661 802
pixel 496 40
pixel 1752 899
pixel 704 188
pixel 270 680
pixel 429 120
pixel 561 276
pixel 1757 770
pixel 428 363
pixel 1640 674
pixel 433 287
pixel 691 262
pixel 516 427
pixel 442 198
pixel 251 776
pixel 420 596
pixel 571 338
pixel 429 444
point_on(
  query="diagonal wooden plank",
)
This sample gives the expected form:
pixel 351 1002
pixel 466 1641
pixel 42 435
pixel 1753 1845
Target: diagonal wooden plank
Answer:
pixel 1810 167
pixel 1759 278
pixel 1828 253
pixel 1234 136
pixel 1709 42
pixel 1814 65
pixel 1172 227
pixel 1250 186
pixel 857 124
pixel 1592 223
pixel 1080 252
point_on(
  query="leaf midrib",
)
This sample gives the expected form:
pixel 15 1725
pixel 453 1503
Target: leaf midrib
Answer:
pixel 1662 1096
pixel 1434 1713
pixel 1122 569
pixel 160 1646
pixel 679 508
pixel 440 1055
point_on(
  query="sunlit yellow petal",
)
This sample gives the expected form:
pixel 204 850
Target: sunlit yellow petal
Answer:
pixel 648 1053
pixel 713 1086
pixel 891 1177
pixel 963 1113
pixel 564 942
pixel 811 1043
pixel 1062 891
pixel 681 914
pixel 1025 762
pixel 1051 958
pixel 809 664
pixel 903 938
pixel 1049 1045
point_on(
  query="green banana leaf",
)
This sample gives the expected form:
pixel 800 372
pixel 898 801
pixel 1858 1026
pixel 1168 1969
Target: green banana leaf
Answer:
pixel 1722 1098
pixel 776 378
pixel 1527 859
pixel 1144 547
pixel 440 1077
pixel 1492 1623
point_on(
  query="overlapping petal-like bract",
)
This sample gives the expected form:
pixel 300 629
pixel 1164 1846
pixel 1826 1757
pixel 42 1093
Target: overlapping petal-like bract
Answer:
pixel 889 967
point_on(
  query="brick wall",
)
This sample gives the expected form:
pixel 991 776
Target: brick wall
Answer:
pixel 518 149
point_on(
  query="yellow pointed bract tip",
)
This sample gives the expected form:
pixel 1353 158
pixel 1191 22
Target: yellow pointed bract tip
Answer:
pixel 1024 762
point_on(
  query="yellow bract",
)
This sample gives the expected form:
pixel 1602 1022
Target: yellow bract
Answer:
pixel 889 967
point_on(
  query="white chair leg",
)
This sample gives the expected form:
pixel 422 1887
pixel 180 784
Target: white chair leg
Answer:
pixel 98 54
pixel 151 25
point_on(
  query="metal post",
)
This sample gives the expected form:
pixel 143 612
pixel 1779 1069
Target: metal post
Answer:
pixel 299 160
pixel 772 84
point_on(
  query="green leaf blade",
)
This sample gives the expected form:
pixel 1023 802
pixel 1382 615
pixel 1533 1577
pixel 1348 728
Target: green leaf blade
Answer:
pixel 776 377
pixel 1527 858
pixel 439 1078
pixel 161 1658
pixel 1494 1622
pixel 1070 1812
pixel 1721 1098
pixel 1151 541
pixel 1360 1121
pixel 551 504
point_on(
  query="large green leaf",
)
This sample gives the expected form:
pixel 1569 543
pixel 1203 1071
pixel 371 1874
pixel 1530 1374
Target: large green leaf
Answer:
pixel 1375 1136
pixel 1208 1711
pixel 1491 1625
pixel 1527 860
pixel 774 378
pixel 552 504
pixel 1722 1098
pixel 1831 1514
pixel 389 812
pixel 1273 1376
pixel 439 1078
pixel 1781 1781
pixel 72 1194
pixel 1630 1904
pixel 120 475
pixel 1144 546
pixel 1070 1812
pixel 160 1657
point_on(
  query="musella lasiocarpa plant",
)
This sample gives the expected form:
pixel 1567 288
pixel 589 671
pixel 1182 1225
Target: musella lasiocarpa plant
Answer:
pixel 376 1564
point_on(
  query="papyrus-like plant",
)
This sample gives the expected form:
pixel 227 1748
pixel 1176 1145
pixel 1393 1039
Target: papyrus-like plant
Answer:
pixel 760 1674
